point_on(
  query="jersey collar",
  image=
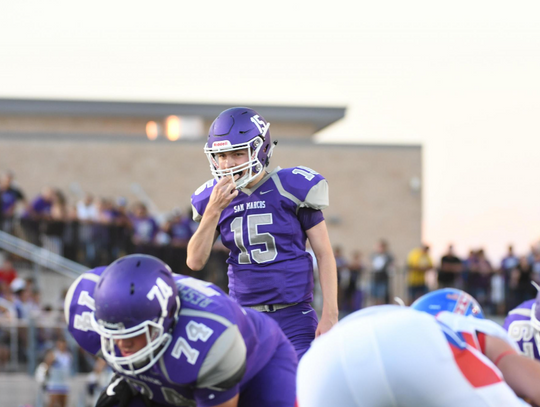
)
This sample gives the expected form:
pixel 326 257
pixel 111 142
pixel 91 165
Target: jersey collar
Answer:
pixel 250 191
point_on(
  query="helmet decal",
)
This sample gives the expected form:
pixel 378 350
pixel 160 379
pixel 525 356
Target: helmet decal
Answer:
pixel 261 125
pixel 449 299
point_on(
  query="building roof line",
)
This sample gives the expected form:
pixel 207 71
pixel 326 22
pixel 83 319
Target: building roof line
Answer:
pixel 319 116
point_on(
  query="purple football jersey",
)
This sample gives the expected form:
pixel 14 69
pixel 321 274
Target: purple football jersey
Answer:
pixel 264 228
pixel 8 199
pixel 144 228
pixel 218 349
pixel 39 206
pixel 181 230
pixel 518 325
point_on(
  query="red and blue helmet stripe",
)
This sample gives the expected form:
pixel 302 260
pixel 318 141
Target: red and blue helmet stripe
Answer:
pixel 449 299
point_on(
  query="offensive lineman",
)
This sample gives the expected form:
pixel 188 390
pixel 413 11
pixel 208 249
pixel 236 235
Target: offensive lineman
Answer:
pixel 176 340
pixel 264 219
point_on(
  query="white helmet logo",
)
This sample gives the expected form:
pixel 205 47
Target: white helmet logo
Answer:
pixel 261 125
pixel 163 292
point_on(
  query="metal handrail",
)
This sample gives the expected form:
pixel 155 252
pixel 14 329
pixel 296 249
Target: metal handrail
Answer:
pixel 26 328
pixel 41 256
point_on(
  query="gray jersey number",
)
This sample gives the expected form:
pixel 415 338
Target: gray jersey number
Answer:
pixel 254 238
pixel 524 331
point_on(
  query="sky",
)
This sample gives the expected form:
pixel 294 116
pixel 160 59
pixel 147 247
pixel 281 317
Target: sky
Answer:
pixel 461 78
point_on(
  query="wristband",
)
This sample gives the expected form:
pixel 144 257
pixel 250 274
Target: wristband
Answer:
pixel 502 355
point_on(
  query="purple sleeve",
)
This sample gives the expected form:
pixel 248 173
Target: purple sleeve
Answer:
pixel 309 217
pixel 36 203
pixel 200 198
pixel 208 398
pixel 509 319
pixel 155 228
pixel 78 307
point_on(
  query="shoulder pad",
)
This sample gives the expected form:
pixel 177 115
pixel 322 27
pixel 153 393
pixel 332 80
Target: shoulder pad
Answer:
pixel 461 323
pixel 304 186
pixel 78 308
pixel 522 312
pixel 225 363
pixel 200 197
pixel 206 332
pixel 525 305
pixel 194 336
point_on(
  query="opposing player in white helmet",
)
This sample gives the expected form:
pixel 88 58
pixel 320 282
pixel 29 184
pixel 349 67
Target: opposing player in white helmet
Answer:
pixel 401 357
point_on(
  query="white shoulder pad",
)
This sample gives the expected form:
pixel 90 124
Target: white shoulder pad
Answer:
pixel 317 197
pixel 460 323
pixel 199 199
pixel 196 215
pixel 304 186
pixel 225 360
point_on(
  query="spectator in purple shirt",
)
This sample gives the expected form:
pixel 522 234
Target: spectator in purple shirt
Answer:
pixel 178 228
pixel 40 207
pixel 37 210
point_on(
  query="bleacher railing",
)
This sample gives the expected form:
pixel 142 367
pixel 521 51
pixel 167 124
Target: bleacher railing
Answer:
pixel 41 256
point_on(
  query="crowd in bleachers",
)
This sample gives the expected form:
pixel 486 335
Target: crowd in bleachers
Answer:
pixel 94 230
pixel 21 302
pixel 498 288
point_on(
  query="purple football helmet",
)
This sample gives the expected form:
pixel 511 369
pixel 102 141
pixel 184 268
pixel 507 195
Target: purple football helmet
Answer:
pixel 448 299
pixel 135 295
pixel 237 129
